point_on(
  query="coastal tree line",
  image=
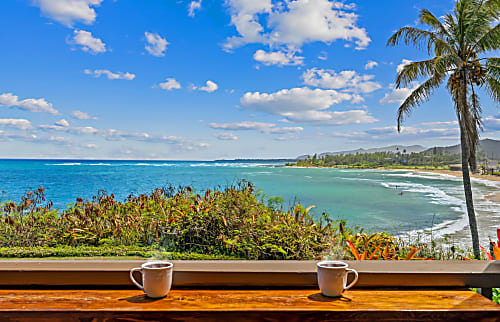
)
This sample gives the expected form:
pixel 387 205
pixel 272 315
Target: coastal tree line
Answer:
pixel 381 159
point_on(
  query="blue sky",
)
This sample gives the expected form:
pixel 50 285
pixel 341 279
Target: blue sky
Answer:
pixel 209 79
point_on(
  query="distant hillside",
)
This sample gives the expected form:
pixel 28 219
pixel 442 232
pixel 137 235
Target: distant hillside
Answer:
pixel 490 147
pixel 392 148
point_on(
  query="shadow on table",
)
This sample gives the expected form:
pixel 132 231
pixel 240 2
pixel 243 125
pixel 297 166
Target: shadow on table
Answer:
pixel 139 299
pixel 318 297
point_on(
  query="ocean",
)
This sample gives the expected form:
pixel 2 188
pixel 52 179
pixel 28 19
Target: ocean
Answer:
pixel 399 202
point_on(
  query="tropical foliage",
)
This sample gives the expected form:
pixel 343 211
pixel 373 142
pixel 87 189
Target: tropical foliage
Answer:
pixel 459 45
pixel 381 159
pixel 494 252
pixel 176 223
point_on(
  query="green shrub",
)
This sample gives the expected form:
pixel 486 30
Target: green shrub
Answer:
pixel 232 223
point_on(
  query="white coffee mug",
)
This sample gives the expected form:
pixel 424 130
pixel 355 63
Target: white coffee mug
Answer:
pixel 156 278
pixel 332 278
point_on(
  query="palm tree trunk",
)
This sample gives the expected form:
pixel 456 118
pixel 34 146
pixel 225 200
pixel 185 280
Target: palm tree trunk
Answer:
pixel 463 108
pixel 473 163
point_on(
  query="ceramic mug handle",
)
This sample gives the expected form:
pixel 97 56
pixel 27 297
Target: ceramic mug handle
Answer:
pixel 350 270
pixel 133 279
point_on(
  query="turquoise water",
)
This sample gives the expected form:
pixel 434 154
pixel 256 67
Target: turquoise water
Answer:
pixel 397 201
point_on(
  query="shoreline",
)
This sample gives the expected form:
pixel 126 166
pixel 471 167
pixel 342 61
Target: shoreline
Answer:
pixel 495 197
pixel 441 171
pixel 457 174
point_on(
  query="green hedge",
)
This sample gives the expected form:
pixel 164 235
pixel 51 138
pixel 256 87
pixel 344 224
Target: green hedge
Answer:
pixel 89 251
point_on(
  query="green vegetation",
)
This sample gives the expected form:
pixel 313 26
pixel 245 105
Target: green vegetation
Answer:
pixel 178 223
pixel 112 252
pixel 382 160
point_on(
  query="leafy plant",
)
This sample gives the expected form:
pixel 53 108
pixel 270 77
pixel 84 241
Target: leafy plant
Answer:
pixel 365 246
pixel 494 253
pixel 235 222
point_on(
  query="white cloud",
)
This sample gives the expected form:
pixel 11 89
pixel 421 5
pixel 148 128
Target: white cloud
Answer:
pixel 243 126
pixel 30 104
pixel 244 18
pixel 60 140
pixel 209 87
pixel 62 122
pixel 268 128
pixel 82 116
pixel 88 42
pixel 411 131
pixel 225 136
pixel 371 64
pixel 193 7
pixel 295 99
pixel 68 12
pixel 404 62
pixel 445 123
pixel 323 55
pixel 117 135
pixel 306 105
pixel 347 80
pixel 286 130
pixel 398 95
pixel 20 124
pixel 90 146
pixel 84 130
pixel 279 58
pixel 110 75
pixel 390 133
pixel 492 123
pixel 170 84
pixel 19 136
pixel 113 135
pixel 156 45
pixel 293 23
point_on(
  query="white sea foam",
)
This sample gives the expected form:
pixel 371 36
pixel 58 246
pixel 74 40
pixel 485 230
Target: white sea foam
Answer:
pixel 69 163
pixel 100 164
pixel 438 197
pixel 444 176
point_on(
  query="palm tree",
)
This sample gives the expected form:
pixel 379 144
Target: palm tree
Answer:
pixel 459 44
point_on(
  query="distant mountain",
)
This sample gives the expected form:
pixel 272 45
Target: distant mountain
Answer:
pixel 490 147
pixel 302 157
pixel 392 148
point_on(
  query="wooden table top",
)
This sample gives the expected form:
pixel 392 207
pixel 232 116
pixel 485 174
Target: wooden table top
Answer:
pixel 246 305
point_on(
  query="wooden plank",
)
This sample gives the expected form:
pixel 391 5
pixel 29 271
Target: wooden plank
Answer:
pixel 292 305
pixel 255 274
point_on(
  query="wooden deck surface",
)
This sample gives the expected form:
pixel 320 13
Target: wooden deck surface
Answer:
pixel 245 305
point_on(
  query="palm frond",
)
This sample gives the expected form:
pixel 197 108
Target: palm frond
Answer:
pixel 426 17
pixel 493 87
pixel 418 96
pixel 420 39
pixel 478 21
pixel 476 124
pixel 476 109
pixel 413 71
pixel 492 67
pixel 494 8
pixel 489 41
pixel 426 68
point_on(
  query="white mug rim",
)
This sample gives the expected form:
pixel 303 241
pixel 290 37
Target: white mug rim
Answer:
pixel 343 265
pixel 168 265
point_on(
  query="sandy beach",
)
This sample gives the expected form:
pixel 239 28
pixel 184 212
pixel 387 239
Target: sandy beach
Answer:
pixel 459 174
pixel 493 197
